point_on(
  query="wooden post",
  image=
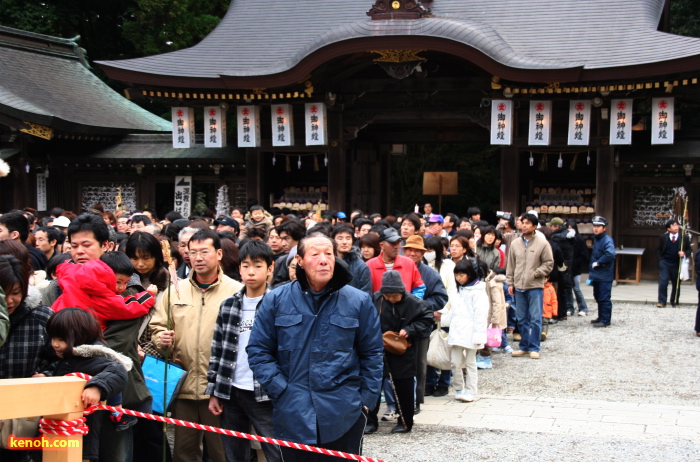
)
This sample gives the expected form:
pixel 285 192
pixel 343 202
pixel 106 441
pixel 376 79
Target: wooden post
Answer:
pixel 57 398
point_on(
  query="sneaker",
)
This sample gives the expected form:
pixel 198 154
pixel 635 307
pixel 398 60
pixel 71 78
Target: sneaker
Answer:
pixel 390 415
pixel 484 363
pixel 534 355
pixel 583 313
pixel 543 336
pixel 595 321
pixel 510 330
pixel 518 353
pixel 508 349
pixel 122 421
pixel 569 313
pixel 464 396
pixel 496 350
pixel 517 337
pixel 600 324
pixel 552 321
pixel 661 305
pixel 429 390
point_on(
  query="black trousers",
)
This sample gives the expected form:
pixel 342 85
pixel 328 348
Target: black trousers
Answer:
pixel 350 442
pixel 148 442
pixel 404 396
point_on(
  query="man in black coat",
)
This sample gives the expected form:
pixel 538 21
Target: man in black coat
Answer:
pixel 566 238
pixel 669 252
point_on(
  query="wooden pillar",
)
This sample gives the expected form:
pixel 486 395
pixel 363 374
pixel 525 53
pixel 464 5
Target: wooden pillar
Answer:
pixel 510 180
pixel 337 164
pixel 605 183
pixel 254 176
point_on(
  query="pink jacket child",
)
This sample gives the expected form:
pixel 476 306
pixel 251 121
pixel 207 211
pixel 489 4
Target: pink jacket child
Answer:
pixel 93 287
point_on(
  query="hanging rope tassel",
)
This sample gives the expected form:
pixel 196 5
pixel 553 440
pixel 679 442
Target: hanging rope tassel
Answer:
pixel 573 162
pixel 543 164
pixel 315 163
pixel 288 167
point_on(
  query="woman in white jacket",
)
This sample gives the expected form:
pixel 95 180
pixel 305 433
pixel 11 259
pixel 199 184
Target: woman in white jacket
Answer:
pixel 467 320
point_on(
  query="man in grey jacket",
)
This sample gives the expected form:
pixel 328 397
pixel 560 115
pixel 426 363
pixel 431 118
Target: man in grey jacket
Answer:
pixel 530 260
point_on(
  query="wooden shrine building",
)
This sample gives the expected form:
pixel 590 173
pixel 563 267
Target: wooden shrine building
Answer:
pixel 387 74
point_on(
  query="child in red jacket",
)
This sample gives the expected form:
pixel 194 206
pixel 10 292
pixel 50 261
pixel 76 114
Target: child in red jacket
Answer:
pixel 96 285
pixel 550 306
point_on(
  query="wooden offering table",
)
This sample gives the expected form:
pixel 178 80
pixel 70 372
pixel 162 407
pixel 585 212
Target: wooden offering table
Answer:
pixel 638 252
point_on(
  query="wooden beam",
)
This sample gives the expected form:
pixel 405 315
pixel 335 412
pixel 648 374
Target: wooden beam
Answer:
pixel 40 396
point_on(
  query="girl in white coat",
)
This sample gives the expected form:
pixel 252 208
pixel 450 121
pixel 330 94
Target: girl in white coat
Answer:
pixel 467 319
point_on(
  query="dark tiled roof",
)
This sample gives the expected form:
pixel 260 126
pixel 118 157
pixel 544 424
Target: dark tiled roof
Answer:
pixel 263 37
pixel 44 80
pixel 158 148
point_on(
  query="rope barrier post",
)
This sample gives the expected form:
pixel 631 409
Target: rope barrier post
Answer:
pixel 72 449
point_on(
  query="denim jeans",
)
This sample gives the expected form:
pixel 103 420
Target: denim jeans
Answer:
pixel 528 309
pixel 442 380
pixel 602 291
pixel 239 413
pixel 668 272
pixel 389 397
pixel 580 300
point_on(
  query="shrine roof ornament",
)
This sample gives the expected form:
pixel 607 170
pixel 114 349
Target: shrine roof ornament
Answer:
pixel 259 45
pixel 397 9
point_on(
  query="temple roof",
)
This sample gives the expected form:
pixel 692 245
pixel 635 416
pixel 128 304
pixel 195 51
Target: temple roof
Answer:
pixel 46 81
pixel 546 40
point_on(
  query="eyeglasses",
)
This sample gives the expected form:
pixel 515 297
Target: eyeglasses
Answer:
pixel 203 253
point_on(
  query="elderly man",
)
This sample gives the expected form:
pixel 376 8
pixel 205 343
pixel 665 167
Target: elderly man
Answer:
pixel 316 347
pixel 389 259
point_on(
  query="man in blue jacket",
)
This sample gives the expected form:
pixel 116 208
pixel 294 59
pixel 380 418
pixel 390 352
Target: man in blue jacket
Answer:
pixel 316 348
pixel 602 271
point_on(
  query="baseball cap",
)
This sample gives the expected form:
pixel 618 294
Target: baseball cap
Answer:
pixel 414 242
pixel 226 221
pixel 390 235
pixel 436 219
pixel 556 221
pixel 341 215
pixel 599 221
pixel 61 222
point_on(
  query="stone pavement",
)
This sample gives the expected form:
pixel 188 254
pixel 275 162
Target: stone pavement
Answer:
pixel 574 416
pixel 563 416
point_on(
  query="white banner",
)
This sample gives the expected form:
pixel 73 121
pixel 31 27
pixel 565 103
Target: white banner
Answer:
pixel 214 127
pixel 183 195
pixel 621 121
pixel 282 132
pixel 579 122
pixel 41 192
pixel 316 124
pixel 248 118
pixel 662 121
pixel 183 127
pixel 540 124
pixel 502 121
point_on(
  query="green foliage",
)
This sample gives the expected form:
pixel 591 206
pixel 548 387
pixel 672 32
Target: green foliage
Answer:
pixel 685 18
pixel 478 168
pixel 160 26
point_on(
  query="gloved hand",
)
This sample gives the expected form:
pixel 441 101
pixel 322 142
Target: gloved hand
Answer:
pixel 595 264
pixel 570 234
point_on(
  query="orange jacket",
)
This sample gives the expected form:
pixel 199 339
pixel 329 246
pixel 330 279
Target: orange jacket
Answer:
pixel 550 306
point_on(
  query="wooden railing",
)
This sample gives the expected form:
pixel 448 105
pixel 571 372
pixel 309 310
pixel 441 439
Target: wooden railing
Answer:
pixel 57 398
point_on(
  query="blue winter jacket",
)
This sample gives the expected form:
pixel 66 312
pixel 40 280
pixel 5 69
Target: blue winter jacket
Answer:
pixel 319 357
pixel 604 254
pixel 435 293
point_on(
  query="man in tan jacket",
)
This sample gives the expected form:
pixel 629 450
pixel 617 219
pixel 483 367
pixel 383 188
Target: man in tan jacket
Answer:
pixel 185 328
pixel 530 260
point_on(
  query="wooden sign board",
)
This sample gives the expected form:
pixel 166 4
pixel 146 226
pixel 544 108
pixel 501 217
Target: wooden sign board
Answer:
pixel 440 183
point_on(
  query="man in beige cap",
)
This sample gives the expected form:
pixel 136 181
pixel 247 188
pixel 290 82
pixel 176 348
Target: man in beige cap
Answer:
pixel 435 299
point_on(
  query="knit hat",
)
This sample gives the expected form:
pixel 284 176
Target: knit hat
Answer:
pixel 392 283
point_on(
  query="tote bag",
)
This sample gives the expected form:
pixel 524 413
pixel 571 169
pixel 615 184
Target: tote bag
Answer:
pixel 439 355
pixel 154 372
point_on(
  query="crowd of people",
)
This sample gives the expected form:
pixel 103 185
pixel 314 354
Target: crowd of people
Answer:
pixel 296 327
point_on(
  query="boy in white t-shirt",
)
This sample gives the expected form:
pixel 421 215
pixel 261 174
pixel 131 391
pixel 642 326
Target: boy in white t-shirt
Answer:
pixel 235 394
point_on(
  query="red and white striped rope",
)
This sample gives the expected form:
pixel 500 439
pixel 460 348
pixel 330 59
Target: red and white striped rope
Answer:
pixel 222 431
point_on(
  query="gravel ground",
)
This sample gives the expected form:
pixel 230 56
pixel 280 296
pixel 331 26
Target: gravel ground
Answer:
pixel 649 355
